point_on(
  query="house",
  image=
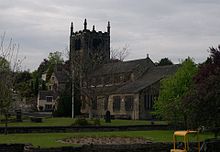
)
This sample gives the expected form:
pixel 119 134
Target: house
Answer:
pixel 59 78
pixel 47 99
pixel 126 89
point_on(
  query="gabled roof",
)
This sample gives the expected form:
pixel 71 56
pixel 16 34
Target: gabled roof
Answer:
pixel 121 67
pixel 61 72
pixel 152 76
pixel 62 76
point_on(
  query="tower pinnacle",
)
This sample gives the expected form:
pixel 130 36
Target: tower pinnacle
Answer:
pixel 85 24
pixel 108 27
pixel 71 29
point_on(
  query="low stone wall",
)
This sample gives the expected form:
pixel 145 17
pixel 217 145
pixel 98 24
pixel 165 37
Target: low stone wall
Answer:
pixel 211 146
pixel 151 147
pixel 50 129
pixel 12 147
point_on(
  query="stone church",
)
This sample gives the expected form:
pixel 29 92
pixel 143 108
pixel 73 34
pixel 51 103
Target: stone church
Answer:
pixel 125 88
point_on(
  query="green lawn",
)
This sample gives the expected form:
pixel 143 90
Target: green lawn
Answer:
pixel 50 139
pixel 69 121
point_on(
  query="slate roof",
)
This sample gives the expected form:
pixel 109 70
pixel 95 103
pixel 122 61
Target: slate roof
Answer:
pixel 121 67
pixel 43 94
pixel 61 72
pixel 62 76
pixel 152 76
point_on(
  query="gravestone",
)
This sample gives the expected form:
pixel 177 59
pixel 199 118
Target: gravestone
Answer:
pixel 108 117
pixel 18 116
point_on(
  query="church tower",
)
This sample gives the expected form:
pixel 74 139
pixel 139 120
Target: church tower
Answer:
pixel 87 46
pixel 88 49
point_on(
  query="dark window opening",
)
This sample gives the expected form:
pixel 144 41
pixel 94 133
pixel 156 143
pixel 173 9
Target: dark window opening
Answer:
pixel 106 103
pixel 77 44
pixel 48 107
pixel 148 101
pixel 97 43
pixel 49 98
pixel 129 103
pixel 116 103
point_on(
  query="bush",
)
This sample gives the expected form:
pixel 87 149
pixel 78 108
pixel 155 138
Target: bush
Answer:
pixel 97 122
pixel 36 119
pixel 80 122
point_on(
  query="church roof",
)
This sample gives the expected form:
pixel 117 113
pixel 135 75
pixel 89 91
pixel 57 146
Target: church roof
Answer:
pixel 152 76
pixel 122 67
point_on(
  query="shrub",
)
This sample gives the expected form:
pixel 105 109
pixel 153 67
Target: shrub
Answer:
pixel 97 122
pixel 80 122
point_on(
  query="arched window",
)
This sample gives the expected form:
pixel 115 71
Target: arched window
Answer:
pixel 129 103
pixel 116 103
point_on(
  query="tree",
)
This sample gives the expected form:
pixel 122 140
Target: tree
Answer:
pixel 9 63
pixel 45 67
pixel 119 54
pixel 168 106
pixel 54 58
pixel 23 83
pixel 202 101
pixel 165 61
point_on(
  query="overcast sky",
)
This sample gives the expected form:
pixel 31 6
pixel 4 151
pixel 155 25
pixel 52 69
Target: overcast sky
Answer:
pixel 161 28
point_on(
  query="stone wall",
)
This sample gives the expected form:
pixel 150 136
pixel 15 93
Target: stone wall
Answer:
pixel 152 90
pixel 211 146
pixel 151 147
pixel 49 129
pixel 134 114
pixel 12 147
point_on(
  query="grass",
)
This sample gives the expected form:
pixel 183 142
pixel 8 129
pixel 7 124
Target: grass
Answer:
pixel 46 122
pixel 68 121
pixel 50 139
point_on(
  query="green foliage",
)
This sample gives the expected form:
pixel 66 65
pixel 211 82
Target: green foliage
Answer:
pixel 4 64
pixel 54 58
pixel 168 105
pixel 165 61
pixel 64 106
pixel 45 67
pixel 6 85
pixel 97 122
pixel 80 122
pixel 202 101
pixel 23 83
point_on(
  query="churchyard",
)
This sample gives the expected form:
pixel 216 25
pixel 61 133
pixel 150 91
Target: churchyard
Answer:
pixel 48 140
